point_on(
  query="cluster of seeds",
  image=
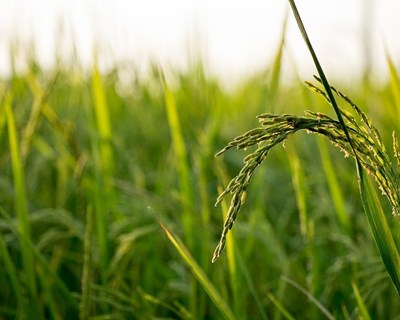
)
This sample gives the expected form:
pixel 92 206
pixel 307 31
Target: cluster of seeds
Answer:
pixel 276 128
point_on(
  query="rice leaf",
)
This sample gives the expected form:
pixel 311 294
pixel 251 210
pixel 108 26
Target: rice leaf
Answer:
pixel 198 273
pixel 101 191
pixel 250 285
pixel 21 207
pixel 179 147
pixel 12 273
pixel 310 297
pixel 286 314
pixel 334 187
pixel 362 309
pixel 299 184
pixel 381 231
pixel 186 197
pixel 84 306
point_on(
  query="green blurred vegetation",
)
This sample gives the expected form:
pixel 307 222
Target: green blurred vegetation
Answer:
pixel 94 167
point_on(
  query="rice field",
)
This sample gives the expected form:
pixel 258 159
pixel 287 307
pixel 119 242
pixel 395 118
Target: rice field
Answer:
pixel 109 185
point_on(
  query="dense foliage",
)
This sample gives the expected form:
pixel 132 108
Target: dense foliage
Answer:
pixel 92 164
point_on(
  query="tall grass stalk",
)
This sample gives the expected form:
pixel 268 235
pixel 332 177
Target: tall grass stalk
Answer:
pixel 362 309
pixel 84 306
pixel 285 313
pixel 205 213
pixel 381 232
pixel 21 207
pixel 306 221
pixel 186 197
pixel 250 286
pixel 102 191
pixel 181 155
pixel 199 274
pixel 12 273
pixel 39 104
pixel 311 298
pixel 300 187
pixel 333 183
pixel 51 304
pixel 102 115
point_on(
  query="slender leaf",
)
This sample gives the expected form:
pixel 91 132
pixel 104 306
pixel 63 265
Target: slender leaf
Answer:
pixel 310 297
pixel 12 273
pixel 381 231
pixel 362 309
pixel 336 193
pixel 84 307
pixel 21 207
pixel 280 307
pixel 179 146
pixel 198 273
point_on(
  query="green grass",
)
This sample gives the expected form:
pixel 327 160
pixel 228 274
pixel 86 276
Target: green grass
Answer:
pixel 21 209
pixel 87 160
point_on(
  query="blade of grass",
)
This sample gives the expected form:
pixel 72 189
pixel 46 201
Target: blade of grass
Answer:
pixel 12 273
pixel 362 309
pixel 334 187
pixel 47 291
pixel 198 273
pixel 39 102
pixel 310 297
pixel 103 123
pixel 101 189
pixel 203 159
pixel 84 307
pixel 184 314
pixel 250 285
pixel 299 184
pixel 381 231
pixel 280 307
pixel 96 195
pixel 306 222
pixel 179 146
pixel 183 167
pixel 21 207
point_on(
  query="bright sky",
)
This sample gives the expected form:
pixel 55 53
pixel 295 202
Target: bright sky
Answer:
pixel 236 37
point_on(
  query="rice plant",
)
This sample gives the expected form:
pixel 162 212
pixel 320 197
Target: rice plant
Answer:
pixel 276 128
pixel 362 141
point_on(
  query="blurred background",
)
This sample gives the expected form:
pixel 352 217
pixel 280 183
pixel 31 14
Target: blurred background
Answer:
pixel 111 113
pixel 234 38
